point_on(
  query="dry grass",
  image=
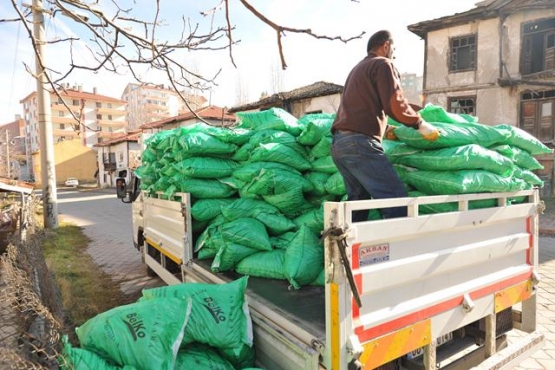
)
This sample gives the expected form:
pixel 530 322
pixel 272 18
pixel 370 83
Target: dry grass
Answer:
pixel 85 289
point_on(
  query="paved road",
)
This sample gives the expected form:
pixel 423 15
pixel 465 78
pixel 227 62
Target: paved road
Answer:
pixel 107 222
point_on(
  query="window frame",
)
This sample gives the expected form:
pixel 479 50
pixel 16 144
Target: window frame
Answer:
pixel 451 99
pixel 452 63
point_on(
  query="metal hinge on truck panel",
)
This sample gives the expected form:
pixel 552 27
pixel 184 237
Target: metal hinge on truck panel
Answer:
pixel 338 236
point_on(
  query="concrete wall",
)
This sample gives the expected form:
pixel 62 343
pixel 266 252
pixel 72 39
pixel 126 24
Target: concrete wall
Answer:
pixel 72 159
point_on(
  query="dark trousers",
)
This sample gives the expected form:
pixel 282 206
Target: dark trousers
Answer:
pixel 367 172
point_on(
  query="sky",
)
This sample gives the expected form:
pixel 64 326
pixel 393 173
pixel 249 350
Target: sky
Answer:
pixel 256 56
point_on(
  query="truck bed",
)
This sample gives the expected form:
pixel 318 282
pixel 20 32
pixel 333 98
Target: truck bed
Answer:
pixel 303 307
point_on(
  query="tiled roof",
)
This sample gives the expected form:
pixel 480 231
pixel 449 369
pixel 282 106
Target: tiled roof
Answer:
pixel 70 93
pixel 133 136
pixel 210 112
pixel 317 89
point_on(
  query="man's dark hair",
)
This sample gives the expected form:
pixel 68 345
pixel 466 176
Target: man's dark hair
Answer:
pixel 378 39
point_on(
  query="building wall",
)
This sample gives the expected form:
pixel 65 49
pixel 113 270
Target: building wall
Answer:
pixel 127 155
pixel 494 104
pixel 326 104
pixel 72 159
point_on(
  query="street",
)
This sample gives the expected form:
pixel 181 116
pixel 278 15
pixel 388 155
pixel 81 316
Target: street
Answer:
pixel 106 220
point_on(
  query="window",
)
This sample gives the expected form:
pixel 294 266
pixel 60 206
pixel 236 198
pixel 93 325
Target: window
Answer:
pixel 60 101
pixel 75 102
pixel 537 114
pixel 61 113
pixel 62 126
pixel 463 53
pixel 98 104
pixel 109 105
pixel 462 105
pixel 538 46
pixel 109 117
pixel 99 116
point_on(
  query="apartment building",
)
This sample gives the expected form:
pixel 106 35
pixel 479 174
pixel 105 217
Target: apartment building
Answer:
pixel 13 159
pixel 411 84
pixel 101 117
pixel 148 103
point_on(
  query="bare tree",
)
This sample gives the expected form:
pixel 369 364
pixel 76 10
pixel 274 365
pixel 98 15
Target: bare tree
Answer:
pixel 116 45
pixel 276 76
pixel 241 91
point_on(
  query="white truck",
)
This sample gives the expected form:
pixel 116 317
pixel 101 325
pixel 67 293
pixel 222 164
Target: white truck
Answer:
pixel 449 290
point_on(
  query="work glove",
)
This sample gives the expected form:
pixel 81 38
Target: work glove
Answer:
pixel 428 131
pixel 390 133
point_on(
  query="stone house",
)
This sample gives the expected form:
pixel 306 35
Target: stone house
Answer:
pixel 497 62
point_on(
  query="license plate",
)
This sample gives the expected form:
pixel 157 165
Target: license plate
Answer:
pixel 439 342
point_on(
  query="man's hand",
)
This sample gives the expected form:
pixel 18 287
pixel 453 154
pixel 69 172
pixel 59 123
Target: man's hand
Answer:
pixel 390 133
pixel 428 131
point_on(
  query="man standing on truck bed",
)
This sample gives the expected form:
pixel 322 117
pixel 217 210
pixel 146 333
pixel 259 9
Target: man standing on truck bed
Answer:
pixel 371 93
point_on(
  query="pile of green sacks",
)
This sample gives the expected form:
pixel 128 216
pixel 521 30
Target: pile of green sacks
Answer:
pixel 182 327
pixel 258 188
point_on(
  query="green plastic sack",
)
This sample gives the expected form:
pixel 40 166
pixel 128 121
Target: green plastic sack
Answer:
pixel 280 153
pixel 435 113
pixel 243 153
pixel 453 134
pixel 318 181
pixel 529 176
pixel 396 150
pixel 463 182
pixel 276 223
pixel 465 157
pixel 272 136
pixel 524 140
pixel 233 135
pixel 324 164
pixel 314 220
pixel 248 232
pixel 269 180
pixel 304 258
pixel 206 167
pixel 315 127
pixel 282 241
pixel 220 314
pixel 251 169
pixel 336 185
pixel 264 264
pixel 321 279
pixel 207 209
pixel 201 144
pixel 241 357
pixel 270 119
pixel 520 157
pixel 131 335
pixel 289 200
pixel 200 356
pixel 321 149
pixel 205 188
pixel 80 359
pixel 229 255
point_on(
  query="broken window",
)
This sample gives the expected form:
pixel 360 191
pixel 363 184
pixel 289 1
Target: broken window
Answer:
pixel 462 105
pixel 538 46
pixel 463 53
pixel 537 114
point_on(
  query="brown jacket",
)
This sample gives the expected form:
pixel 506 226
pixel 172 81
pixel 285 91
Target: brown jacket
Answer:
pixel 371 93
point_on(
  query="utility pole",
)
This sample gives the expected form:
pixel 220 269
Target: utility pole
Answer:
pixel 47 164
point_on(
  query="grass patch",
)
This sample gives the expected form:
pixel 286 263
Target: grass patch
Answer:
pixel 86 290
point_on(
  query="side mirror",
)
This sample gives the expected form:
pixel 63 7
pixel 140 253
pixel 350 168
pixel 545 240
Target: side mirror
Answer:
pixel 121 190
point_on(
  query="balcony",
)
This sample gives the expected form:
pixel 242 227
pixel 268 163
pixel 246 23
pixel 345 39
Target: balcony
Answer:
pixel 61 107
pixel 113 111
pixel 64 120
pixel 110 166
pixel 110 123
pixel 66 133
